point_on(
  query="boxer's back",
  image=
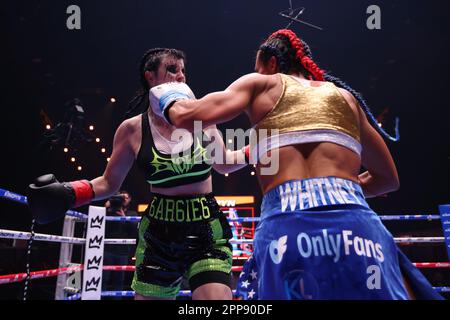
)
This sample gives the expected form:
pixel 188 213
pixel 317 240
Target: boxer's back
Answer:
pixel 304 160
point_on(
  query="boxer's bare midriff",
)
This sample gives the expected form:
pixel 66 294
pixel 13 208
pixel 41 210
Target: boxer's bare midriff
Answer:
pixel 309 161
pixel 199 188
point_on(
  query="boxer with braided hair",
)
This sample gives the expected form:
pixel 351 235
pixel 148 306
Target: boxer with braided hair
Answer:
pixel 300 59
pixel 318 237
pixel 183 233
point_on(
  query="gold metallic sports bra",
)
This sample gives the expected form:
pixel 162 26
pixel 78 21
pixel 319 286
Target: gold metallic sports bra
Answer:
pixel 308 115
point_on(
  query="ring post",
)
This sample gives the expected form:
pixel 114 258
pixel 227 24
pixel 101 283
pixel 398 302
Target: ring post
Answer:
pixel 444 210
pixel 93 258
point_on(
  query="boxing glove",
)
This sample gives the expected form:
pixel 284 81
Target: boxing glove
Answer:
pixel 246 151
pixel 163 96
pixel 49 199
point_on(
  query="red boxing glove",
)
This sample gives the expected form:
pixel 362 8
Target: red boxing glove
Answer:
pixel 246 151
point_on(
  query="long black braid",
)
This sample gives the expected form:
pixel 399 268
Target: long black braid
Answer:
pixel 358 96
pixel 339 83
pixel 149 62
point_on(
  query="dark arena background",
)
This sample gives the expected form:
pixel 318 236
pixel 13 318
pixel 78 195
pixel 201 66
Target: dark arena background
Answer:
pixel 48 69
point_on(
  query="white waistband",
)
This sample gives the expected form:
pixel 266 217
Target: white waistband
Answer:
pixel 267 144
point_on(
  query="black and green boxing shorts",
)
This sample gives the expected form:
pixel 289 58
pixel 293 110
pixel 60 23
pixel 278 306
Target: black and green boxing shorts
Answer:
pixel 182 237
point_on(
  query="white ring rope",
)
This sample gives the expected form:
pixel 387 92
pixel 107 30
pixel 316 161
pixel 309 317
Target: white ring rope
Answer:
pixel 10 234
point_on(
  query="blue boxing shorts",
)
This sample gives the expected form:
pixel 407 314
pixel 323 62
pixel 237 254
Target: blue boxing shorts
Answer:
pixel 318 239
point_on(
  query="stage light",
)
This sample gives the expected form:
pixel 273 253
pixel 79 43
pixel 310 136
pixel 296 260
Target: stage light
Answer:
pixel 103 150
pixel 91 128
pixel 113 100
pixel 252 173
pixel 66 150
pixel 80 168
pixel 72 159
pixel 48 127
pixel 97 140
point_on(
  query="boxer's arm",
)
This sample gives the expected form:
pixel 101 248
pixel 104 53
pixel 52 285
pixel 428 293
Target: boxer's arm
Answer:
pixel 224 161
pixel 217 107
pixel 121 160
pixel 381 176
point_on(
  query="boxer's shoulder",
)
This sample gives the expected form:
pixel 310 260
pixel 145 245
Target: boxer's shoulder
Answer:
pixel 129 130
pixel 132 124
pixel 258 82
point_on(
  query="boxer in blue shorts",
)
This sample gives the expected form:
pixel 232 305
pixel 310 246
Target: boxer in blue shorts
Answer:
pixel 331 245
pixel 318 238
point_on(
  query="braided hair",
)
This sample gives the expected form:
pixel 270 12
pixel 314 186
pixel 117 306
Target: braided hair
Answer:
pixel 294 55
pixel 149 62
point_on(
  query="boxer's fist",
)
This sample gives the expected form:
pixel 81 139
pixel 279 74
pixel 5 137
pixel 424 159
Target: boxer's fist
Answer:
pixel 49 199
pixel 246 151
pixel 162 97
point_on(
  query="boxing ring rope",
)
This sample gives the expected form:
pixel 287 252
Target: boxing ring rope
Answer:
pixel 19 277
pixel 184 293
pixel 23 200
pixel 12 234
pixel 5 279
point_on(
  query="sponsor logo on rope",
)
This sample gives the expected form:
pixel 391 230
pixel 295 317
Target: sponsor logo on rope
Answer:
pixel 12 196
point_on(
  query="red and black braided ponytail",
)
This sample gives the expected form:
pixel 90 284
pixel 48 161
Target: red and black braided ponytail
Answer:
pixel 301 60
pixel 301 56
